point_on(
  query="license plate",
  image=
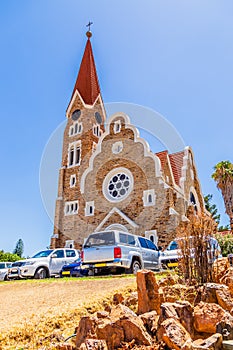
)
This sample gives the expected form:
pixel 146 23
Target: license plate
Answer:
pixel 100 265
pixel 174 264
pixel 65 273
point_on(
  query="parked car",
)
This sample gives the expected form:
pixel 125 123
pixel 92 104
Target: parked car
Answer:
pixel 170 256
pixel 115 250
pixel 44 264
pixel 4 266
pixel 13 272
pixel 73 269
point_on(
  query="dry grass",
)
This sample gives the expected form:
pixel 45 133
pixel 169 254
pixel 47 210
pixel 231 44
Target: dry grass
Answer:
pixel 36 314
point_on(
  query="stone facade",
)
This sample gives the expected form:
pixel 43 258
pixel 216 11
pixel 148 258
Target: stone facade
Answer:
pixel 110 179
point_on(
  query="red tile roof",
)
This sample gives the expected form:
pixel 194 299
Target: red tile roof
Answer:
pixel 87 82
pixel 163 157
pixel 176 161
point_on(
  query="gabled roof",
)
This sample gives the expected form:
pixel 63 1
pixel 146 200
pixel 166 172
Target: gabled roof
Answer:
pixel 87 82
pixel 177 161
pixel 163 157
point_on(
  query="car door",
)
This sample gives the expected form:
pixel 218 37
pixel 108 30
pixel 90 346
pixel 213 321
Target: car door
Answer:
pixel 154 254
pixel 146 253
pixel 57 260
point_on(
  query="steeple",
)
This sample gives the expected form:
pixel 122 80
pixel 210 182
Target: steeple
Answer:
pixel 87 83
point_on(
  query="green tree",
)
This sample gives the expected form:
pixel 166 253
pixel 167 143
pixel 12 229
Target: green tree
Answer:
pixel 223 176
pixel 19 248
pixel 5 256
pixel 212 208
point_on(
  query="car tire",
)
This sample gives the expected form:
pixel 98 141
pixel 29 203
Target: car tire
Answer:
pixel 135 266
pixel 40 273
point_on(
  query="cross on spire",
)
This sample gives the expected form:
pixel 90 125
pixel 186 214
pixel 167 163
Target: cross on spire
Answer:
pixel 89 26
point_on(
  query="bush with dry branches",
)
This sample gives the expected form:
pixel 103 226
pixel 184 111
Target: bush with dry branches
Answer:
pixel 197 248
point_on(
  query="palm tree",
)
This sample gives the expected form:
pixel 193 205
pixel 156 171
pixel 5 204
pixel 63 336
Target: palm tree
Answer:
pixel 223 176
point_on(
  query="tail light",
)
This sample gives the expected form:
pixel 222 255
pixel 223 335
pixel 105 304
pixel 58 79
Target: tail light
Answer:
pixel 117 252
pixel 82 255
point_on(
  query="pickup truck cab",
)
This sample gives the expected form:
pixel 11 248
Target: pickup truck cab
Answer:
pixel 44 264
pixel 114 250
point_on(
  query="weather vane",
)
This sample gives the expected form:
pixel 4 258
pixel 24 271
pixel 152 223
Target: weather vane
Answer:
pixel 89 25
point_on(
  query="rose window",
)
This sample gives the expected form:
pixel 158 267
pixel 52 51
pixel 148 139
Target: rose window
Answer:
pixel 117 185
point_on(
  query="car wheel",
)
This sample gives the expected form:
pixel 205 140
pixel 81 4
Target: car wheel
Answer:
pixel 41 273
pixel 6 278
pixel 135 266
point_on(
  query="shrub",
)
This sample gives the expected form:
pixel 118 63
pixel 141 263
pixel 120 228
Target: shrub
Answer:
pixel 9 256
pixel 225 242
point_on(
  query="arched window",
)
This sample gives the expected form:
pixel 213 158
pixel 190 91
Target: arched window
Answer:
pixel 193 201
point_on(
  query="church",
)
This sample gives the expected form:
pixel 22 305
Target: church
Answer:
pixel 110 179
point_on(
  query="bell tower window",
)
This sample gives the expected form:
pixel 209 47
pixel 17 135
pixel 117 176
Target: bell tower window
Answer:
pixel 74 154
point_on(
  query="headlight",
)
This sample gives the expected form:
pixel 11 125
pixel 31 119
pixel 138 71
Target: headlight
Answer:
pixel 28 263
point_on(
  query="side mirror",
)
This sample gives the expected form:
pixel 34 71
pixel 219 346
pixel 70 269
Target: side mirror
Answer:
pixel 54 256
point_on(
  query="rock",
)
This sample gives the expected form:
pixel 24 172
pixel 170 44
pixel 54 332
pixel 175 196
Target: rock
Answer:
pixel 150 321
pixel 185 313
pixel 131 300
pixel 178 292
pixel 220 266
pixel 65 346
pixel 167 311
pixel 227 274
pixel 212 343
pixel 102 314
pixel 118 298
pixel 94 344
pixel 112 333
pixel 208 292
pixel 181 310
pixel 134 330
pixel 206 317
pixel 85 329
pixel 148 292
pixel 173 334
pixel 225 326
pixel 120 311
pixel 224 299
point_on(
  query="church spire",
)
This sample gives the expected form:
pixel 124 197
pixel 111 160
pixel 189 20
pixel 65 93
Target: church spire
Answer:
pixel 87 82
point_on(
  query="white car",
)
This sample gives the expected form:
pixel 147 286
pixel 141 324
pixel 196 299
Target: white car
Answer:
pixel 169 257
pixel 4 266
pixel 44 264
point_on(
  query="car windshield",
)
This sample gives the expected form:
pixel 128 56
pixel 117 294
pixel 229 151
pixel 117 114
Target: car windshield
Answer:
pixel 43 254
pixel 2 266
pixel 17 263
pixel 100 239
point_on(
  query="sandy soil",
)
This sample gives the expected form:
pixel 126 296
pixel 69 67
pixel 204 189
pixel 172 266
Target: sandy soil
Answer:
pixel 29 300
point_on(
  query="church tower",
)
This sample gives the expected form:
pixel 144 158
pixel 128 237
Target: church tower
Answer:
pixel 85 124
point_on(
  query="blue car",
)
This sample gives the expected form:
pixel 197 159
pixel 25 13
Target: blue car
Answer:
pixel 73 270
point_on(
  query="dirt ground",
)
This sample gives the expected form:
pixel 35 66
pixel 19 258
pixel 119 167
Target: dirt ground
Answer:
pixel 28 302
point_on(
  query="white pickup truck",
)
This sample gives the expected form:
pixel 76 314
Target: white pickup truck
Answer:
pixel 115 250
pixel 44 264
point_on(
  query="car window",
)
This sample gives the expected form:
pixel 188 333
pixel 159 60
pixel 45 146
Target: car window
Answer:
pixel 100 239
pixel 2 265
pixel 126 239
pixel 142 242
pixel 8 264
pixel 43 254
pixel 173 245
pixel 70 253
pixel 58 254
pixel 151 245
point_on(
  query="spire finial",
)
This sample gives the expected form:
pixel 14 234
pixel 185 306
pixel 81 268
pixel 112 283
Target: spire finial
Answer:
pixel 88 33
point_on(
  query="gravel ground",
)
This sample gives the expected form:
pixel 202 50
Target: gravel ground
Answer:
pixel 29 300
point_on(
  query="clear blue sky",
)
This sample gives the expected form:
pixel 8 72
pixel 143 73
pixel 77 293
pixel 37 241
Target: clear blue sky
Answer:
pixel 174 56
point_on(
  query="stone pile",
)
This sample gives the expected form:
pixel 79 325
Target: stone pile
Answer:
pixel 169 316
